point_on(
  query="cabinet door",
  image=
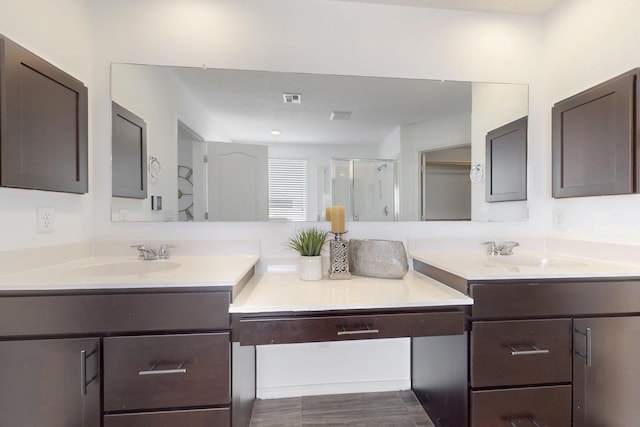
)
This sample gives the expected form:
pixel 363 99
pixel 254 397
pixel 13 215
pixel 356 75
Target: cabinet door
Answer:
pixel 593 140
pixel 44 124
pixel 605 379
pixel 52 383
pixel 129 154
pixel 506 152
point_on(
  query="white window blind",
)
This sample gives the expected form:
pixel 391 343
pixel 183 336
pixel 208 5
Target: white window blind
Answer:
pixel 288 187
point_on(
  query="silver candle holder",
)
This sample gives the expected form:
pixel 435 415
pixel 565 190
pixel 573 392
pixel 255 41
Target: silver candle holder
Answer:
pixel 339 258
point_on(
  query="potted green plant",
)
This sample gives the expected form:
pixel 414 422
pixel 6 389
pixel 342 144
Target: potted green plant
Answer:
pixel 309 243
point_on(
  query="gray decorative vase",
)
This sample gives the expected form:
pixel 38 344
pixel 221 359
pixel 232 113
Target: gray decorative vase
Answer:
pixel 386 259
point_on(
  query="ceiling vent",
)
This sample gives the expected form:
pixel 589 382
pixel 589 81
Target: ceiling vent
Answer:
pixel 292 98
pixel 340 115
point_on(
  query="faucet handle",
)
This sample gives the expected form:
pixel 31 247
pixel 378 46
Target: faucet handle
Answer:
pixel 142 247
pixel 145 252
pixel 163 253
pixel 507 247
pixel 492 249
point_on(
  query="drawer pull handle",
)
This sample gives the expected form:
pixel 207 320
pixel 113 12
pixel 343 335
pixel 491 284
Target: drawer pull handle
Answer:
pixel 587 354
pixel 84 383
pixel 517 422
pixel 534 350
pixel 365 330
pixel 154 371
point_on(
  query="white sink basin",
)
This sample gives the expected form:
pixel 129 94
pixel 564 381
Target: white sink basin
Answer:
pixel 540 262
pixel 123 268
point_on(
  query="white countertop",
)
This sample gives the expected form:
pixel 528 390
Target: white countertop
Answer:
pixel 479 266
pixel 111 273
pixel 285 292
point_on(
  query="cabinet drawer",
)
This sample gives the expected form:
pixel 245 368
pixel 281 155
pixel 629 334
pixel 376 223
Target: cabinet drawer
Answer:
pixel 194 418
pixel 542 406
pixel 520 352
pixel 166 371
pixel 113 313
pixel 299 329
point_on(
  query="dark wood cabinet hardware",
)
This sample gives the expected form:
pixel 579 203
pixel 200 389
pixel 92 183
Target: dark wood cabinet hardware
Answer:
pixel 586 354
pixel 357 330
pixel 534 350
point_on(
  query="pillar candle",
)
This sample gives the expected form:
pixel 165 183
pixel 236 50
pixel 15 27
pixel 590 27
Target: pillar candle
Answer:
pixel 337 219
pixel 327 214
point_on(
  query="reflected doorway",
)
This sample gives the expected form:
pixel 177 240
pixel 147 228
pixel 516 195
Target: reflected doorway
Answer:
pixel 446 186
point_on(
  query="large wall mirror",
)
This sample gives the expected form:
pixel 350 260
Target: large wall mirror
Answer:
pixel 236 145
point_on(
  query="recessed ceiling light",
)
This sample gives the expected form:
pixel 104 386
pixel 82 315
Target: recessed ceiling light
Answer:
pixel 340 115
pixel 275 132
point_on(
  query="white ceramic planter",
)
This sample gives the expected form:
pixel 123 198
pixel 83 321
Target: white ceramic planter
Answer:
pixel 310 267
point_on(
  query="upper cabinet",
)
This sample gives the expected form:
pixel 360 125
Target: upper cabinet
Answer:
pixel 129 153
pixel 594 140
pixel 506 152
pixel 43 124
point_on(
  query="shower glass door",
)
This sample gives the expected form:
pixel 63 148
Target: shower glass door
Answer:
pixel 374 190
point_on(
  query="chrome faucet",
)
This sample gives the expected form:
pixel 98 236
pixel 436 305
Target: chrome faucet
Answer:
pixel 146 253
pixel 504 249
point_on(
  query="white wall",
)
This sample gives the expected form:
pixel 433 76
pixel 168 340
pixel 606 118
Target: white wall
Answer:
pixel 391 145
pixel 65 40
pixel 495 105
pixel 588 42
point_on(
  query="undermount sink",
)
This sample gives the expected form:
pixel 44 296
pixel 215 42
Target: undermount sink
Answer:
pixel 538 261
pixel 123 268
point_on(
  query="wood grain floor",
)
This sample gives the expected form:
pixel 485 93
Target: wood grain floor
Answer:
pixel 397 409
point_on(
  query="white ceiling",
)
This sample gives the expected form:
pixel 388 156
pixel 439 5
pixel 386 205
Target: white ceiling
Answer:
pixel 247 105
pixel 522 7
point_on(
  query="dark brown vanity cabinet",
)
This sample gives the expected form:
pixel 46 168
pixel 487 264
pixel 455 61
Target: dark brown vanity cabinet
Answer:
pixel 50 382
pixel 150 357
pixel 506 151
pixel 595 138
pixel 43 124
pixel 176 375
pixel 546 352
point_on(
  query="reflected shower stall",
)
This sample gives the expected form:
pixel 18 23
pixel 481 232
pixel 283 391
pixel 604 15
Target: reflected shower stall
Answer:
pixel 367 188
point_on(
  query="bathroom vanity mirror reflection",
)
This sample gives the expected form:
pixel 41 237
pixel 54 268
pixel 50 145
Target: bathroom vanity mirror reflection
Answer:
pixel 270 146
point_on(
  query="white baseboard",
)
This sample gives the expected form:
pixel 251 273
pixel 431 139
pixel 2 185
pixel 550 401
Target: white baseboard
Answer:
pixel 333 388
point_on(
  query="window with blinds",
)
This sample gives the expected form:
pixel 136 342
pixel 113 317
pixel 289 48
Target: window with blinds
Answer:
pixel 288 188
